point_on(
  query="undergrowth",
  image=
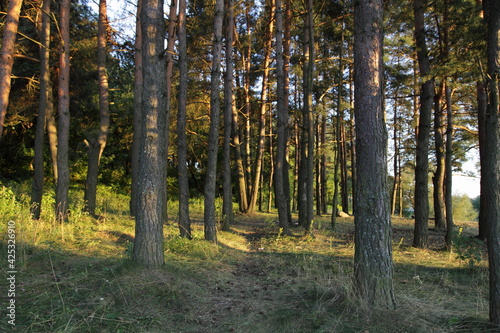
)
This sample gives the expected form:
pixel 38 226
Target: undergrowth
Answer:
pixel 78 277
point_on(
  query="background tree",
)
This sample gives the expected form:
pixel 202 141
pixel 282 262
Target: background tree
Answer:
pixel 420 236
pixel 373 268
pixel 213 140
pixel 7 56
pixel 227 211
pixel 184 220
pixel 45 107
pixel 62 186
pixel 97 139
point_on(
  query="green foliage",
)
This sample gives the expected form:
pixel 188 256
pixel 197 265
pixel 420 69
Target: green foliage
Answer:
pixel 463 208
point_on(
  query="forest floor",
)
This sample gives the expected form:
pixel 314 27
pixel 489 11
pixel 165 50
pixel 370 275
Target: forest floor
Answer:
pixel 78 277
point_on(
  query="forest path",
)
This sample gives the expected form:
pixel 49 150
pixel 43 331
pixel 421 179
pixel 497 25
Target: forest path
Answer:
pixel 252 290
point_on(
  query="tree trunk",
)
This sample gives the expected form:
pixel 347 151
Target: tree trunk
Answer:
pixel 438 178
pixel 184 219
pixel 152 177
pixel 263 110
pixel 397 171
pixel 482 105
pixel 282 202
pixel 43 27
pixel 373 267
pixel 227 210
pixel 240 168
pixel 420 233
pixel 97 144
pixel 62 187
pixel 490 164
pixel 7 56
pixel 136 141
pixel 306 169
pixel 450 226
pixel 213 138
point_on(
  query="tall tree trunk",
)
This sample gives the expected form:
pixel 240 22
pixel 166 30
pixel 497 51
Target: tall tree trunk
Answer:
pixel 136 141
pixel 450 226
pixel 240 168
pixel 395 186
pixel 282 201
pixel 373 267
pixel 482 105
pixel 97 144
pixel 43 27
pixel 213 138
pixel 227 209
pixel 248 107
pixel 306 168
pixel 7 56
pixel 271 164
pixel 152 177
pixel 184 219
pixel 286 71
pixel 438 178
pixel 263 111
pixel 420 233
pixel 490 164
pixel 62 187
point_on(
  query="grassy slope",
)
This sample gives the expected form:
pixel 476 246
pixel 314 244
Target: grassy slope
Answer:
pixel 78 278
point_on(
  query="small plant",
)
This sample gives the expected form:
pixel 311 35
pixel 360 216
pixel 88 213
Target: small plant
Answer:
pixel 468 248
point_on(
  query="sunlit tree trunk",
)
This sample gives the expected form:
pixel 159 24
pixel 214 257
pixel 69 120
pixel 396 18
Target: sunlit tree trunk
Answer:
pixel 43 27
pixel 227 210
pixel 420 234
pixel 152 177
pixel 7 55
pixel 97 144
pixel 136 141
pixel 213 138
pixel 62 187
pixel 373 267
pixel 438 178
pixel 184 219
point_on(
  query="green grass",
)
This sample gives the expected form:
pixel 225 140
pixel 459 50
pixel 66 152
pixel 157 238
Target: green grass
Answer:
pixel 78 277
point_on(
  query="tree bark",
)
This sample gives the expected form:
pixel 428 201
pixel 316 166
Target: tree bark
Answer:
pixel 482 105
pixel 282 202
pixel 7 56
pixel 96 145
pixel 448 190
pixel 439 174
pixel 227 209
pixel 152 198
pixel 490 164
pixel 62 187
pixel 306 168
pixel 373 267
pixel 43 27
pixel 420 233
pixel 263 111
pixel 184 219
pixel 136 141
pixel 213 138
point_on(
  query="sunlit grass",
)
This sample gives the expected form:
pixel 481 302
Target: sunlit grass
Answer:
pixel 78 277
